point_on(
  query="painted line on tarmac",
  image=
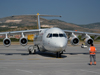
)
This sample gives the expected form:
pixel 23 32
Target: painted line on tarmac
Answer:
pixel 90 71
pixel 53 58
pixel 50 58
pixel 16 59
pixel 33 59
pixel 2 59
pixel 24 71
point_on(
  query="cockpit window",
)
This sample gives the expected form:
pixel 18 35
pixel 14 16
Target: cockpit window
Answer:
pixel 49 35
pixel 62 35
pixel 55 35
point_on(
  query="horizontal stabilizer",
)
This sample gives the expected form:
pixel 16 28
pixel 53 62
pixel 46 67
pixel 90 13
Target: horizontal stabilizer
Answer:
pixel 48 15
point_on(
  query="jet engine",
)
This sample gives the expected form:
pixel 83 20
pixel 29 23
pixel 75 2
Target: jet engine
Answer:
pixel 7 42
pixel 74 40
pixel 88 41
pixel 23 41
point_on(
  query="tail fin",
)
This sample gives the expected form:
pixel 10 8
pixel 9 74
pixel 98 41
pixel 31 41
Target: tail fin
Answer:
pixel 38 19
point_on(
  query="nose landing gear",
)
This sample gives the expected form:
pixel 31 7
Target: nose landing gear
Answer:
pixel 58 55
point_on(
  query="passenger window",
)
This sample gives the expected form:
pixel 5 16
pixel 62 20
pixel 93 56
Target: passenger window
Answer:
pixel 55 35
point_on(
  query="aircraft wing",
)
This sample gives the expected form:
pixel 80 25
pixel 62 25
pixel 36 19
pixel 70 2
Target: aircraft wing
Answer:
pixel 87 35
pixel 19 32
pixel 23 40
pixel 79 32
pixel 25 31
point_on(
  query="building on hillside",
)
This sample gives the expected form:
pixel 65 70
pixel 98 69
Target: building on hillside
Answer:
pixel 46 26
pixel 14 21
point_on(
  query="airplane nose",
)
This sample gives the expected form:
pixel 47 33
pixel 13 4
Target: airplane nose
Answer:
pixel 58 44
pixel 61 45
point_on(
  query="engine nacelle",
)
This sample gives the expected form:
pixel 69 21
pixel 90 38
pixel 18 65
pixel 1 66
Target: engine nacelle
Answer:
pixel 7 42
pixel 88 41
pixel 74 40
pixel 23 41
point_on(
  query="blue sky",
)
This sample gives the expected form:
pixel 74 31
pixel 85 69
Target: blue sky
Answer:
pixel 72 11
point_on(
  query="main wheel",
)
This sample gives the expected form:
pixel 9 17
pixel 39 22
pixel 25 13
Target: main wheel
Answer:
pixel 31 50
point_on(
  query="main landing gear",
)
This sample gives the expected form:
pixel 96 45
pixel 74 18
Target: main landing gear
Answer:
pixel 32 49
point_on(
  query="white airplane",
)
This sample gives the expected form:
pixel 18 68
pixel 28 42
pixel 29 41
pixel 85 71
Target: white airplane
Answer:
pixel 51 39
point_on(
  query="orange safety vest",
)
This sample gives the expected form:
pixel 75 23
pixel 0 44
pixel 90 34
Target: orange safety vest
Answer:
pixel 92 50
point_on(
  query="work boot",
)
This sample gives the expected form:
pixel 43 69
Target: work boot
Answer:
pixel 94 63
pixel 90 63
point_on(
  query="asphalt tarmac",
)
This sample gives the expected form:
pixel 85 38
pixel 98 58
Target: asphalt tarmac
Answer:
pixel 15 60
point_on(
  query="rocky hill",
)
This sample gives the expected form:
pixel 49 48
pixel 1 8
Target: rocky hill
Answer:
pixel 24 22
pixel 92 26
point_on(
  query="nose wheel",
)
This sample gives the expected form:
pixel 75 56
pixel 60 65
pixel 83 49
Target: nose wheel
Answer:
pixel 58 55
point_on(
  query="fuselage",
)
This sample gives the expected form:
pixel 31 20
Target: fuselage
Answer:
pixel 53 39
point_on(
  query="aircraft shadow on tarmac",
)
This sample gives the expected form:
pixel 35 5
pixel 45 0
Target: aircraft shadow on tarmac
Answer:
pixel 76 53
pixel 53 55
pixel 14 54
pixel 46 54
pixel 80 53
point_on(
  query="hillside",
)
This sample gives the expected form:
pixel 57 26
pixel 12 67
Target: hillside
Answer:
pixel 24 22
pixel 91 26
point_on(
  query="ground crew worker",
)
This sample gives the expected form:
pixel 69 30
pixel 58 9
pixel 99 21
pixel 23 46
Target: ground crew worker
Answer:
pixel 92 51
